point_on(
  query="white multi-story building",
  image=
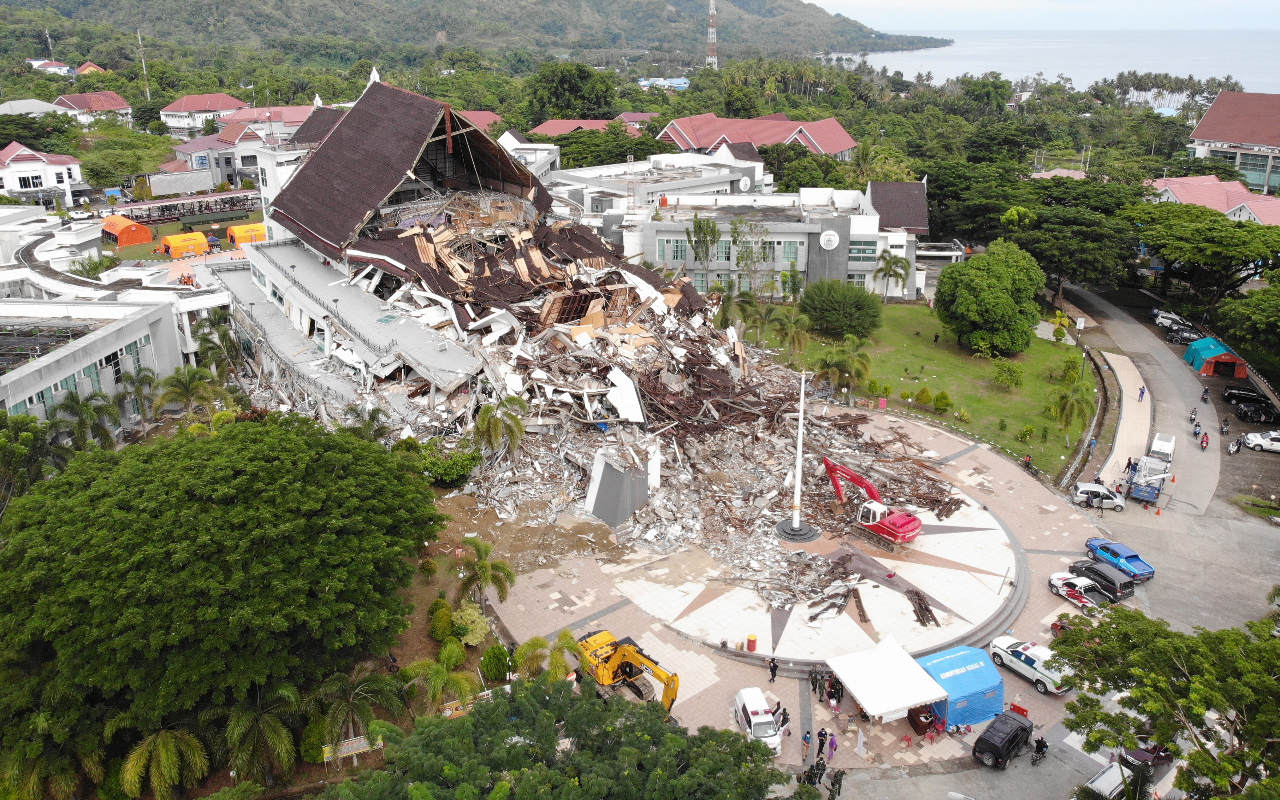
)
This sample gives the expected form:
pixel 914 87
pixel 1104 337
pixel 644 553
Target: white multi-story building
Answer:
pixel 31 176
pixel 187 115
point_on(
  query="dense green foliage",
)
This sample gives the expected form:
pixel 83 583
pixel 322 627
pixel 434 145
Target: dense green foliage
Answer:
pixel 509 747
pixel 1211 696
pixel 1256 316
pixel 613 145
pixel 209 566
pixel 404 25
pixel 989 301
pixel 837 308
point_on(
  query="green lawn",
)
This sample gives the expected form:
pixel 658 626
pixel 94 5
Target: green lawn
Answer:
pixel 143 251
pixel 903 354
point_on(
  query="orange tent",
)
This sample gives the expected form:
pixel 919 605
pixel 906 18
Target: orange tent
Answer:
pixel 179 245
pixel 123 232
pixel 244 234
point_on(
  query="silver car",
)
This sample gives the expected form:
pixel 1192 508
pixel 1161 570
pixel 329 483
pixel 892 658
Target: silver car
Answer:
pixel 1095 495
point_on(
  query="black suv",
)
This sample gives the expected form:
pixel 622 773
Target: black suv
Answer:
pixel 1007 736
pixel 1260 413
pixel 1236 395
pixel 1112 582
pixel 1183 335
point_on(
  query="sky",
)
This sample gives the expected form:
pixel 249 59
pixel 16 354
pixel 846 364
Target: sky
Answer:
pixel 910 16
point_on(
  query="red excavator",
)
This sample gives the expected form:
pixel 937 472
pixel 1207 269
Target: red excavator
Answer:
pixel 877 523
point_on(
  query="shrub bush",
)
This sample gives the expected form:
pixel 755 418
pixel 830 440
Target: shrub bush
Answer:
pixel 437 604
pixel 924 398
pixel 495 663
pixel 442 624
pixel 964 416
pixel 837 308
pixel 1002 425
pixel 942 402
pixel 1026 433
pixel 470 617
pixel 906 394
pixel 1008 375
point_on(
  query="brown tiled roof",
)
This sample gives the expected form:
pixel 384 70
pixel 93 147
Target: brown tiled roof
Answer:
pixel 901 205
pixel 367 156
pixel 93 101
pixel 1243 118
pixel 217 101
pixel 744 151
pixel 317 125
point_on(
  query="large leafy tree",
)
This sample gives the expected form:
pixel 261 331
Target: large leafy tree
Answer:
pixel 1073 244
pixel 208 566
pixel 989 301
pixel 1255 318
pixel 24 454
pixel 618 750
pixel 1212 696
pixel 569 90
pixel 1211 254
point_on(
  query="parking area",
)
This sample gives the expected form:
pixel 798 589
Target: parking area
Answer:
pixel 1248 472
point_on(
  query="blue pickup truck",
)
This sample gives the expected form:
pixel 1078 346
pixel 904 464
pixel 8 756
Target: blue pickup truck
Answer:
pixel 1121 557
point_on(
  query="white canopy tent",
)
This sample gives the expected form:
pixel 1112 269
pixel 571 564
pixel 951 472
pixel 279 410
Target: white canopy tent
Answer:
pixel 886 681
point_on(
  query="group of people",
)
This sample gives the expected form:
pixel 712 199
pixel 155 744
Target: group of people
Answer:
pixel 814 772
pixel 827 687
pixel 826 741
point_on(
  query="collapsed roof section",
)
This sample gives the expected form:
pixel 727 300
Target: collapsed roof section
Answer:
pixel 393 146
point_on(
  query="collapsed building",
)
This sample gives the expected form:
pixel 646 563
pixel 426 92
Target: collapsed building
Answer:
pixel 421 273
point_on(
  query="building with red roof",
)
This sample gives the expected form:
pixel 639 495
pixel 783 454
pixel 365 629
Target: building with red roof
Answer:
pixel 1244 129
pixel 89 106
pixel 705 132
pixel 484 120
pixel 279 122
pixel 31 176
pixel 636 119
pixel 559 127
pixel 187 115
pixel 1232 198
pixel 88 67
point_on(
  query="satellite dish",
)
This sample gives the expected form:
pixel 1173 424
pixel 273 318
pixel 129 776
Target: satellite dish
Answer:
pixel 828 240
pixel 744 184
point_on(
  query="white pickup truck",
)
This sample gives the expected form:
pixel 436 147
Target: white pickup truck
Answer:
pixel 1162 447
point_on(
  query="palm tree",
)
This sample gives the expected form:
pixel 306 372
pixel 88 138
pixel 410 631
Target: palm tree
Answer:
pixel 349 701
pixel 1135 785
pixel 478 572
pixel 140 388
pixel 435 680
pixel 564 646
pixel 171 757
pixel 215 343
pixel 732 309
pixel 857 358
pixel 367 424
pixel 1072 403
pixel 87 419
pixel 530 656
pixel 258 737
pixel 792 327
pixel 892 268
pixel 500 423
pixel 758 316
pixel 189 387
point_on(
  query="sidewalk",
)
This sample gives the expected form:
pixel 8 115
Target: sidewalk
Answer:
pixel 1134 430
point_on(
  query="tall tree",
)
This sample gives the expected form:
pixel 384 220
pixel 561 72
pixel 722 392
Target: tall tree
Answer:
pixel 350 699
pixel 1212 697
pixel 24 454
pixel 703 237
pixel 431 682
pixel 747 238
pixel 1072 403
pixel 478 571
pixel 837 308
pixel 792 327
pixel 153 627
pixel 531 657
pixel 569 90
pixel 139 389
pixel 499 424
pixel 1074 244
pixel 258 735
pixel 564 647
pixel 989 301
pixel 1255 318
pixel 190 387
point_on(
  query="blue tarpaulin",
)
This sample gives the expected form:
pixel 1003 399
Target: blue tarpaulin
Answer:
pixel 975 690
pixel 1201 350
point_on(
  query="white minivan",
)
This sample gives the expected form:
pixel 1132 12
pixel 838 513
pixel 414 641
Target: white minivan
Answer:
pixel 754 716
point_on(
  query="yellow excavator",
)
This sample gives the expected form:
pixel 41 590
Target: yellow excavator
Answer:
pixel 619 665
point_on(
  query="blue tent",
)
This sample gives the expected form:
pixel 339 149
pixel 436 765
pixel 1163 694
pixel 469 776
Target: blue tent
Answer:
pixel 974 687
pixel 1203 349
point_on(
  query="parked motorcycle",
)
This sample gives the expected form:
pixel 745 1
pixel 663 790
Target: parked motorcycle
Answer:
pixel 1235 446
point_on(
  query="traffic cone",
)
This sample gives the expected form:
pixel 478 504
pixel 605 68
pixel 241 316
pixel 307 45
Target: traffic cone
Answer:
pixel 1173 479
pixel 1157 511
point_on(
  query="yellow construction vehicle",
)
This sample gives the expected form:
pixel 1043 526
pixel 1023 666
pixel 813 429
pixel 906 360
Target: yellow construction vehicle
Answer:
pixel 619 665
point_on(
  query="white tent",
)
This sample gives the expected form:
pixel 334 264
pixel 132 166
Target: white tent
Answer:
pixel 886 681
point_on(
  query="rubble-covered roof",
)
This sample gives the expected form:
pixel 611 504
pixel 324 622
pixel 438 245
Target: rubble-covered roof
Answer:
pixel 317 125
pixel 369 154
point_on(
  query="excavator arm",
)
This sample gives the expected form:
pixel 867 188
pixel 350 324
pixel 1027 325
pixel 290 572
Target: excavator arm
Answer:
pixel 614 662
pixel 837 471
pixel 669 680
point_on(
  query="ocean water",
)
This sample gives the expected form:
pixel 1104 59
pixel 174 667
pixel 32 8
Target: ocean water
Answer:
pixel 1251 57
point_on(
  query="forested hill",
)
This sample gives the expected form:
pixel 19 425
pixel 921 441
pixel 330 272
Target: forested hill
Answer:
pixel 746 27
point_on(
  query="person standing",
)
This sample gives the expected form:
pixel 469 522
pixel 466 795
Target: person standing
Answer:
pixel 831 753
pixel 813 679
pixel 822 740
pixel 805 741
pixel 1142 392
pixel 773 669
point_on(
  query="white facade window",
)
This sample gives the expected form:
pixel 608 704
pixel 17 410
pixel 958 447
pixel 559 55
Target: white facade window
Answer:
pixel 790 252
pixel 679 249
pixel 722 250
pixel 857 279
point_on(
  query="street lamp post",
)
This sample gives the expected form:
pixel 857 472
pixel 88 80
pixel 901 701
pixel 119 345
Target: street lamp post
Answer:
pixel 795 529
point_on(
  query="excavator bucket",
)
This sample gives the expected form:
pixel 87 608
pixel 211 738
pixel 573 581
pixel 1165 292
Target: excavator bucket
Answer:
pixel 837 471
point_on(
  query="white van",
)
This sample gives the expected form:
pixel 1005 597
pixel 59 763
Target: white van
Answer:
pixel 754 716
